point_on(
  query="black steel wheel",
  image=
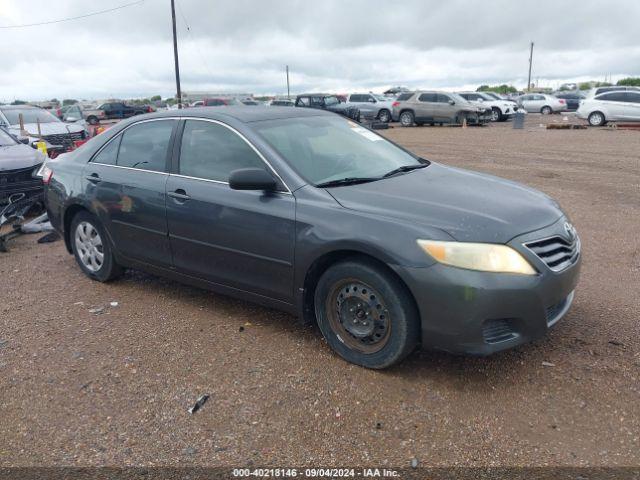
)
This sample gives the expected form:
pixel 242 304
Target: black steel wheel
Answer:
pixel 366 315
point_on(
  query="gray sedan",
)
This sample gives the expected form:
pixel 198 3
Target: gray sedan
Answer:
pixel 309 212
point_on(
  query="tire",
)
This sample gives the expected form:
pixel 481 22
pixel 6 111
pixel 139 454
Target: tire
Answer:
pixel 97 263
pixel 407 118
pixel 92 120
pixel 384 115
pixel 596 119
pixel 385 327
pixel 546 110
pixel 496 114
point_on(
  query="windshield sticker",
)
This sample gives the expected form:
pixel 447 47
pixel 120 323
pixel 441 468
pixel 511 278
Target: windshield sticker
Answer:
pixel 366 133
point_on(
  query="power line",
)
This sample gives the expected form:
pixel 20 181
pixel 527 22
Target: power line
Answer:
pixel 184 18
pixel 75 18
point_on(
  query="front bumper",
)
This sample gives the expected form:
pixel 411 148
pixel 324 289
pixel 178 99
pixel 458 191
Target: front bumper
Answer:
pixel 479 313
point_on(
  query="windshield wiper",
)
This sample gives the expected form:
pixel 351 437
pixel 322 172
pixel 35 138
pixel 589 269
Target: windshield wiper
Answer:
pixel 346 181
pixel 404 168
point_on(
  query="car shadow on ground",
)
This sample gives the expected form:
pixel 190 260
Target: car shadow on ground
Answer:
pixel 468 372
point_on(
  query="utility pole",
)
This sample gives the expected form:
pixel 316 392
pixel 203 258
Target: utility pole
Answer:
pixel 288 92
pixel 175 54
pixel 530 63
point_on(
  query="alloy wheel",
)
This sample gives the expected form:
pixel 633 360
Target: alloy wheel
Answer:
pixel 89 246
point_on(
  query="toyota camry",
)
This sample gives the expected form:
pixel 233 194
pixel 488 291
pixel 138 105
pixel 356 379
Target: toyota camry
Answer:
pixel 309 212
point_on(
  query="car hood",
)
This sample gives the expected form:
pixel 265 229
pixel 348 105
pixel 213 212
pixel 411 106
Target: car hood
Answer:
pixel 13 157
pixel 49 128
pixel 469 206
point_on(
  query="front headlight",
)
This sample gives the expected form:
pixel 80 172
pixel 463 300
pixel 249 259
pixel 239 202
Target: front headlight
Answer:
pixel 486 257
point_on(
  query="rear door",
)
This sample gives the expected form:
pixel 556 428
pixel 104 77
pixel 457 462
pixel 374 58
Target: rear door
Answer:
pixel 427 107
pixel 125 183
pixel 614 105
pixel 240 239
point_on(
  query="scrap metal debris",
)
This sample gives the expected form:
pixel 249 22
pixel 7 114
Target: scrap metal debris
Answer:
pixel 199 403
pixel 548 364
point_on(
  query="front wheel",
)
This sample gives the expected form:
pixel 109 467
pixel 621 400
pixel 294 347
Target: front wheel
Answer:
pixel 496 114
pixel 91 248
pixel 596 119
pixel 365 315
pixel 406 119
pixel 546 110
pixel 92 120
pixel 384 116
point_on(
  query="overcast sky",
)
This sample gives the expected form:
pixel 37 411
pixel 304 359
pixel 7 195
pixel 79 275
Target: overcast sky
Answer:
pixel 338 46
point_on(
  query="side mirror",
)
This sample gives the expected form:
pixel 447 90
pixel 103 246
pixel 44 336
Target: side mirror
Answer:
pixel 23 140
pixel 372 100
pixel 481 100
pixel 451 102
pixel 252 179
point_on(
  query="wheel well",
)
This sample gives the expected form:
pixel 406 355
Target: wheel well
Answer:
pixel 68 218
pixel 407 110
pixel 322 264
pixel 546 106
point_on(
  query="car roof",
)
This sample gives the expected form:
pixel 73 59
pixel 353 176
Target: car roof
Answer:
pixel 245 113
pixel 19 107
pixel 318 94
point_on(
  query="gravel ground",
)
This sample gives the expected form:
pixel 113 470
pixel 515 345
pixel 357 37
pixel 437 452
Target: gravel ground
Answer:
pixel 113 388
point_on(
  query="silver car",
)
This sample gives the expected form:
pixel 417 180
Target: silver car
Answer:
pixel 372 106
pixel 437 107
pixel 541 103
pixel 611 106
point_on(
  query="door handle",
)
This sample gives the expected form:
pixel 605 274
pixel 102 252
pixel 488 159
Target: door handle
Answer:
pixel 179 195
pixel 93 178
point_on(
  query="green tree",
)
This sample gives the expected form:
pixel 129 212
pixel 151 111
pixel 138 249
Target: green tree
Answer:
pixel 69 101
pixel 18 102
pixel 504 88
pixel 629 82
pixel 156 98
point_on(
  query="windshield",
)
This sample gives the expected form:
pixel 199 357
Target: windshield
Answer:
pixel 381 98
pixel 331 100
pixel 457 97
pixel 492 95
pixel 324 148
pixel 6 139
pixel 486 96
pixel 29 115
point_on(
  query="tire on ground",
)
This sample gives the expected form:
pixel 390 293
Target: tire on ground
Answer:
pixel 109 269
pixel 396 302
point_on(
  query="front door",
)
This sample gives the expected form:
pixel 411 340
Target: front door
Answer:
pixel 240 239
pixel 126 186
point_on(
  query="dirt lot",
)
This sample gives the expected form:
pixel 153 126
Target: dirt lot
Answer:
pixel 78 388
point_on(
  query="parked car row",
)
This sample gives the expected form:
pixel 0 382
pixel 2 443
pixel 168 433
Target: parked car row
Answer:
pixel 433 107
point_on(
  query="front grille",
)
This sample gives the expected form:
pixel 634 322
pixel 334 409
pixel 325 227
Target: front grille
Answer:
pixel 496 331
pixel 19 181
pixel 556 252
pixel 65 139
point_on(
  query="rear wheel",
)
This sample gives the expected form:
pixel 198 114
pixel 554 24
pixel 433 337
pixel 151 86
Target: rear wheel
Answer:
pixel 407 119
pixel 92 120
pixel 365 315
pixel 546 110
pixel 596 119
pixel 91 248
pixel 384 116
